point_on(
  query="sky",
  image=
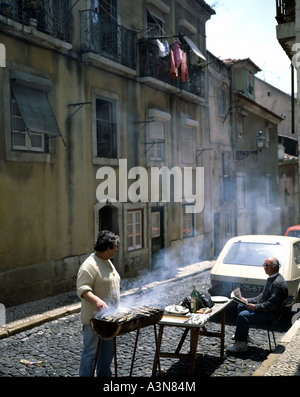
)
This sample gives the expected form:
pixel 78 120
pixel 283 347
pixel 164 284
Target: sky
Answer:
pixel 247 29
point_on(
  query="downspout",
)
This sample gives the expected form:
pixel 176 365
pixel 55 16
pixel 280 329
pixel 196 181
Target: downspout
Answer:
pixel 233 145
pixel 293 100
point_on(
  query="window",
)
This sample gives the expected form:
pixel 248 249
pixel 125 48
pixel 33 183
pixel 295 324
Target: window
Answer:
pixel 241 195
pixel 58 18
pixel 157 151
pixel 107 7
pixel 134 229
pixel 156 141
pixel 108 28
pixel 154 25
pixel 253 253
pixel 106 128
pixel 32 119
pixel 188 145
pixel 226 193
pixel 250 83
pixel 22 138
pixel 187 223
pixel 188 140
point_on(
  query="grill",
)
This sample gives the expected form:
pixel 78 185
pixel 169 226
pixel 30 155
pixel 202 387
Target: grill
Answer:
pixel 112 325
pixel 109 326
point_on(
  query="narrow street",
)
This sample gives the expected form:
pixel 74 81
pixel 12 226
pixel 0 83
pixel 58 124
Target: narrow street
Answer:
pixel 57 344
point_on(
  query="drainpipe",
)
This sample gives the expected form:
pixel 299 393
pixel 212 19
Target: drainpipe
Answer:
pixel 297 34
pixel 233 128
pixel 293 100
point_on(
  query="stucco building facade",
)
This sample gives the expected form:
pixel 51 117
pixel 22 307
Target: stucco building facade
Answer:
pixel 99 97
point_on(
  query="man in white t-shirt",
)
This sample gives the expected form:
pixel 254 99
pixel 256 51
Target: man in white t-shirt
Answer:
pixel 98 287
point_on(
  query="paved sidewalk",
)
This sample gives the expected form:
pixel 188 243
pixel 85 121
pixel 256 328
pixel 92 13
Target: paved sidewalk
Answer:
pixel 285 359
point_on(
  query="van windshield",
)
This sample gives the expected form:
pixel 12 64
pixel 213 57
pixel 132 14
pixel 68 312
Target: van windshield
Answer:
pixel 252 254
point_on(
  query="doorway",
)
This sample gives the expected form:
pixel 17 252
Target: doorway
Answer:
pixel 108 220
pixel 217 235
pixel 157 236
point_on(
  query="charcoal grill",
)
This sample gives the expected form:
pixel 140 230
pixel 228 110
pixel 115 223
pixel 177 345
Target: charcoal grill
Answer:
pixel 109 326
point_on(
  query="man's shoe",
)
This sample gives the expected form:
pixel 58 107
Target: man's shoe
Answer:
pixel 238 347
pixel 249 339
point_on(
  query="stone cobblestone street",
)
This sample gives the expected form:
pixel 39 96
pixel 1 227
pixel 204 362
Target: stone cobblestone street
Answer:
pixel 57 344
pixel 289 361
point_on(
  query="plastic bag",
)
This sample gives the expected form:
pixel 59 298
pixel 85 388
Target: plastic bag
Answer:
pixel 204 300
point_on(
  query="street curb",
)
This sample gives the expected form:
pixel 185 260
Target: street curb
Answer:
pixel 33 321
pixel 275 355
pixel 39 319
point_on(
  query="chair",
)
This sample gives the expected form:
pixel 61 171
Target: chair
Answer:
pixel 271 325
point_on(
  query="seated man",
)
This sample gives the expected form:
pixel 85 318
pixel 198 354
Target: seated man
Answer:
pixel 264 307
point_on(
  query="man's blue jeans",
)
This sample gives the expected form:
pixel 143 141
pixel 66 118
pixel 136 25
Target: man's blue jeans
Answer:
pixel 105 356
pixel 246 318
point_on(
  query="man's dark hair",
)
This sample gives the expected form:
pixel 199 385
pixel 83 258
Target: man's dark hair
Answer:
pixel 106 239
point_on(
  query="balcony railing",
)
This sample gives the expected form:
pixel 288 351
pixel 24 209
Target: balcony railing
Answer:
pixel 285 11
pixel 107 38
pixel 153 65
pixel 52 17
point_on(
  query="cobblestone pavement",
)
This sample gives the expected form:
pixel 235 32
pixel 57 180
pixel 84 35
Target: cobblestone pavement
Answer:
pixel 57 344
pixel 288 364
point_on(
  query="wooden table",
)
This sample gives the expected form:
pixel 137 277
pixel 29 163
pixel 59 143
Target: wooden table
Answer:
pixel 170 320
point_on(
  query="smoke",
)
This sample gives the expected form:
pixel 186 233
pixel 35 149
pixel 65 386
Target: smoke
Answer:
pixel 155 287
pixel 258 216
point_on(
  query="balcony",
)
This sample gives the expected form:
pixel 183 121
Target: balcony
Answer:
pixel 285 11
pixel 105 37
pixel 153 66
pixel 50 17
pixel 285 30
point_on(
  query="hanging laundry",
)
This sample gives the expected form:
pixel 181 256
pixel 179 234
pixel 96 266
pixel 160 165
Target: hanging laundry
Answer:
pixel 184 68
pixel 167 48
pixel 161 49
pixel 173 69
pixel 176 54
pixel 180 55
